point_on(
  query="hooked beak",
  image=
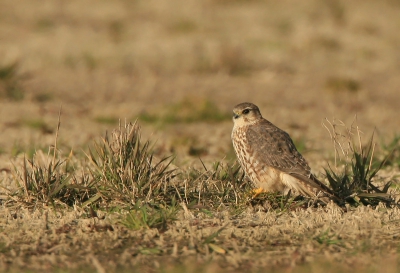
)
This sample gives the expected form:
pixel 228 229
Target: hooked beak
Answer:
pixel 235 116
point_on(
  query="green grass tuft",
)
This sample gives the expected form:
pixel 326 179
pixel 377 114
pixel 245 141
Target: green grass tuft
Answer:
pixel 338 84
pixel 48 180
pixel 356 181
pixel 391 151
pixel 126 171
pixel 38 124
pixel 145 217
pixel 10 82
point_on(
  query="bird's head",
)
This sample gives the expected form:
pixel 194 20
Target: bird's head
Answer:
pixel 245 114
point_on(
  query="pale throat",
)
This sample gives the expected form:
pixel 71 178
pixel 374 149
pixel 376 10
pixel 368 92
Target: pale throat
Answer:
pixel 240 122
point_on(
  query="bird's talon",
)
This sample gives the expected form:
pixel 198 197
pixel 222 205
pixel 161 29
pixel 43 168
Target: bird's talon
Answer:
pixel 257 192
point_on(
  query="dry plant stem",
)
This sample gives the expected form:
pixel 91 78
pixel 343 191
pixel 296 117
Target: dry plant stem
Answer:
pixel 359 139
pixel 357 177
pixel 334 135
pixel 57 131
pixel 126 169
pixel 26 179
pixel 342 143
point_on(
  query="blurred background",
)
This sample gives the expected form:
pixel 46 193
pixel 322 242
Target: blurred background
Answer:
pixel 180 66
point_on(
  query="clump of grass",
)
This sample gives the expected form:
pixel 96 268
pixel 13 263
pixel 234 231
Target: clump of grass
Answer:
pixel 126 171
pixel 220 186
pixel 225 185
pixel 10 82
pixel 29 150
pixel 43 97
pixel 183 26
pixel 45 24
pixel 116 29
pixel 90 61
pixel 278 202
pixel 48 179
pixel 300 144
pixel 38 124
pixel 211 242
pixel 284 26
pixel 356 181
pixel 188 110
pixel 327 238
pixel 42 183
pixel 195 150
pixel 145 216
pixel 336 10
pixel 391 151
pixel 338 84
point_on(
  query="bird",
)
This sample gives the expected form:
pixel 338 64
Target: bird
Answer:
pixel 270 159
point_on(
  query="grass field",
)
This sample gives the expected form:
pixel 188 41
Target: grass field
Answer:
pixel 83 191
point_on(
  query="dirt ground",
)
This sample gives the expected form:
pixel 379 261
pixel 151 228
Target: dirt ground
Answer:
pixel 322 240
pixel 101 61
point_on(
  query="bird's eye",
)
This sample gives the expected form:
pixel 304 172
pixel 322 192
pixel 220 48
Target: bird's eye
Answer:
pixel 246 111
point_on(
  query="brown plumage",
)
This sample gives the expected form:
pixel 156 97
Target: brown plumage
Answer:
pixel 269 157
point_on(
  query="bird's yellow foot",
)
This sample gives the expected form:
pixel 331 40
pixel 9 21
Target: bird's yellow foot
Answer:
pixel 258 191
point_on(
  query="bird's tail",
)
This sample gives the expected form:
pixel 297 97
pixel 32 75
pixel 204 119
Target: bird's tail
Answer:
pixel 316 189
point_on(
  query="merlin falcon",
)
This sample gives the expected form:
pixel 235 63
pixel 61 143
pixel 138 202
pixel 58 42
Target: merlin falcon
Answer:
pixel 269 157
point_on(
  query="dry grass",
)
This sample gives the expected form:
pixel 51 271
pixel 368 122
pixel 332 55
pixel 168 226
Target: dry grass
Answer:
pixel 180 71
pixel 312 238
pixel 356 181
pixel 143 213
pixel 124 169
